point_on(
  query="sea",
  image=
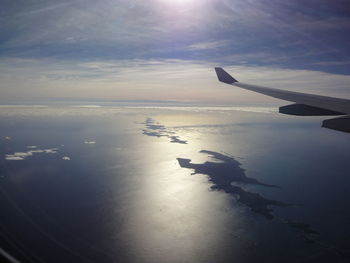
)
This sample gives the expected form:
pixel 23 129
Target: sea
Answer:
pixel 143 183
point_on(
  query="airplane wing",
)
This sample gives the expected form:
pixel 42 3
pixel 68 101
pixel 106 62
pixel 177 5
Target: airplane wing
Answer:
pixel 304 104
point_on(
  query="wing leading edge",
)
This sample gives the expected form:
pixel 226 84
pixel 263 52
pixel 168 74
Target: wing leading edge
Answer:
pixel 305 104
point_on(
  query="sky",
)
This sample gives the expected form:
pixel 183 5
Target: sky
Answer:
pixel 166 49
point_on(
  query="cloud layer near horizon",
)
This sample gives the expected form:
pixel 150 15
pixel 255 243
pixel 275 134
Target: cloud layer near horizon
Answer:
pixel 171 80
pixel 165 50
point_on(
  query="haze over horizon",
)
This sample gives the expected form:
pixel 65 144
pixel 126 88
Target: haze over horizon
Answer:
pixel 165 50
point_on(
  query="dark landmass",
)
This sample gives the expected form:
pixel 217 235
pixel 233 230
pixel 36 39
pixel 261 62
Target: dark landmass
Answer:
pixel 223 174
pixel 305 228
pixel 176 139
pixel 310 236
pixel 152 133
pixel 227 171
pixel 151 124
pixel 157 130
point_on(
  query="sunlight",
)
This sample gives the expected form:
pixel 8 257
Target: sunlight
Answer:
pixel 182 1
pixel 179 2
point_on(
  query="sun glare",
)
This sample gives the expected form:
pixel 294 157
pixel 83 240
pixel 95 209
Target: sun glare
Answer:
pixel 182 2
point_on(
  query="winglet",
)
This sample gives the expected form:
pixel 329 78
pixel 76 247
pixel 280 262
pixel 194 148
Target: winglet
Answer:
pixel 223 76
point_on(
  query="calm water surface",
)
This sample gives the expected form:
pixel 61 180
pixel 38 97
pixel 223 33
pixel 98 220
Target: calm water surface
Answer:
pixel 107 185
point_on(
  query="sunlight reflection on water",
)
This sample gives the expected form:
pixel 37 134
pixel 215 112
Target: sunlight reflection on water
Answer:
pixel 126 194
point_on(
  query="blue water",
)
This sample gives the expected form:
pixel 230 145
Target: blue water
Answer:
pixel 93 187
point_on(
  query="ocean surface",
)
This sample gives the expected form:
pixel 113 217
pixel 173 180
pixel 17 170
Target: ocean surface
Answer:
pixel 172 184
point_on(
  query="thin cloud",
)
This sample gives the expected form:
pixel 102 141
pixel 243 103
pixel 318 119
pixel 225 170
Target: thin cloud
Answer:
pixel 332 63
pixel 37 11
pixel 209 45
pixel 19 156
pixel 181 80
pixel 9 157
pixel 89 142
pixel 32 147
pixel 53 150
pixel 130 29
